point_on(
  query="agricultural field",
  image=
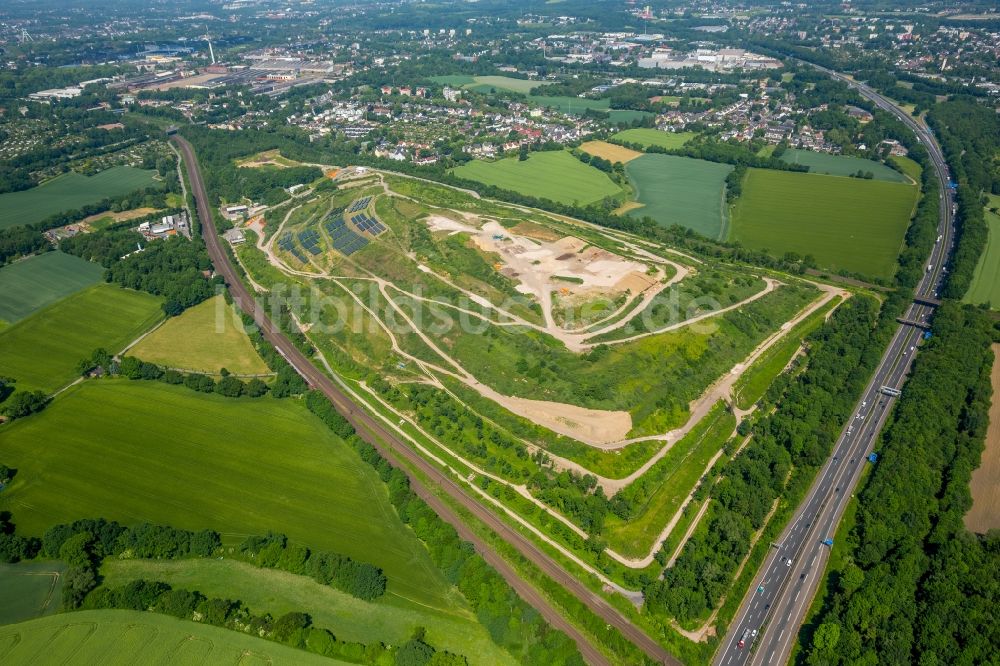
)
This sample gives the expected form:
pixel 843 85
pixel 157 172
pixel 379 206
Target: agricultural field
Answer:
pixel 31 589
pixel 841 165
pixel 985 287
pixel 576 106
pixel 489 83
pixel 680 190
pixel 33 283
pixel 609 151
pixel 844 223
pixel 205 338
pixel 135 637
pixel 278 592
pixel 41 351
pixel 238 466
pixel 985 485
pixel 907 166
pixel 652 137
pixel 554 175
pixel 67 192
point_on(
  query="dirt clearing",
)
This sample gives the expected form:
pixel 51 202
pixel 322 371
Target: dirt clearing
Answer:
pixel 985 485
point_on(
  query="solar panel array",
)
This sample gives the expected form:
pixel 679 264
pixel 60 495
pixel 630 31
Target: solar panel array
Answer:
pixel 344 239
pixel 360 204
pixel 369 224
pixel 310 241
pixel 287 243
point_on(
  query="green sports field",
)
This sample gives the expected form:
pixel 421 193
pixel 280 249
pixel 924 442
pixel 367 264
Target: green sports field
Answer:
pixel 33 283
pixel 30 590
pixel 67 192
pixel 42 351
pixel 680 190
pixel 118 637
pixel 279 592
pixel 205 338
pixel 136 451
pixel 652 137
pixel 985 287
pixel 554 175
pixel 845 223
pixel 841 165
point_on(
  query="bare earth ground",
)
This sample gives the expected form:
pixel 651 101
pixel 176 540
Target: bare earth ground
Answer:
pixel 119 217
pixel 985 486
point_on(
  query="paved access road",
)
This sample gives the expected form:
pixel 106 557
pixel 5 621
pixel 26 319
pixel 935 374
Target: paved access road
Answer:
pixel 397 450
pixel 780 596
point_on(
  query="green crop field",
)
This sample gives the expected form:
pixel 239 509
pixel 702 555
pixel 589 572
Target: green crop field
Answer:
pixel 554 175
pixel 278 592
pixel 205 338
pixel 652 137
pixel 840 165
pixel 69 191
pixel 31 284
pixel 680 190
pixel 908 166
pixel 42 351
pixel 985 287
pixel 488 83
pixel 31 589
pixel 117 637
pixel 137 451
pixel 577 105
pixel 845 223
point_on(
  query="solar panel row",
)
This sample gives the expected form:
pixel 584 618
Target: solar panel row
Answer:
pixel 369 224
pixel 359 205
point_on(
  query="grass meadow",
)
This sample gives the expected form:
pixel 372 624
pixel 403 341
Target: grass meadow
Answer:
pixel 118 637
pixel 668 483
pixel 68 191
pixel 205 338
pixel 985 287
pixel 31 589
pixel 652 137
pixel 554 175
pixel 278 592
pixel 845 223
pixel 576 106
pixel 841 165
pixel 41 352
pixel 33 283
pixel 680 190
pixel 137 451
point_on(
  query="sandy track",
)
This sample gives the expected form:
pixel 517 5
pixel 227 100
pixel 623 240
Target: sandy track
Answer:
pixel 985 486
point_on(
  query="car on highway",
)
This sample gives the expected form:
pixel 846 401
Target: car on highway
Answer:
pixel 788 562
pixel 743 639
pixel 760 588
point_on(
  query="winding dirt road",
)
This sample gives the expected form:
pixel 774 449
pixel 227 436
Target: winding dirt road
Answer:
pixel 398 451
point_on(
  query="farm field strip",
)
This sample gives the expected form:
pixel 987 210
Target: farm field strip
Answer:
pixel 31 284
pixel 42 351
pixel 204 338
pixel 680 190
pixel 67 192
pixel 652 137
pixel 841 165
pixel 554 175
pixel 844 223
pixel 985 286
pixel 984 515
pixel 133 637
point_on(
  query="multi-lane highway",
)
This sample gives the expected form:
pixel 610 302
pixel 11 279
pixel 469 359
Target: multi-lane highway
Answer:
pixel 398 450
pixel 765 628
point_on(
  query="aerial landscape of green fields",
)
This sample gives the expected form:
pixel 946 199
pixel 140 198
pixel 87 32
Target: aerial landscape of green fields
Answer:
pixel 560 333
pixel 69 191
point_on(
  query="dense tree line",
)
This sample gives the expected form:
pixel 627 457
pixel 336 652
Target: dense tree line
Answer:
pixel 511 622
pixel 800 432
pixel 918 588
pixel 969 133
pixel 173 268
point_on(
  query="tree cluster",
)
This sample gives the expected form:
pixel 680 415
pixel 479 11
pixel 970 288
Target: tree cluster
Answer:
pixel 917 587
